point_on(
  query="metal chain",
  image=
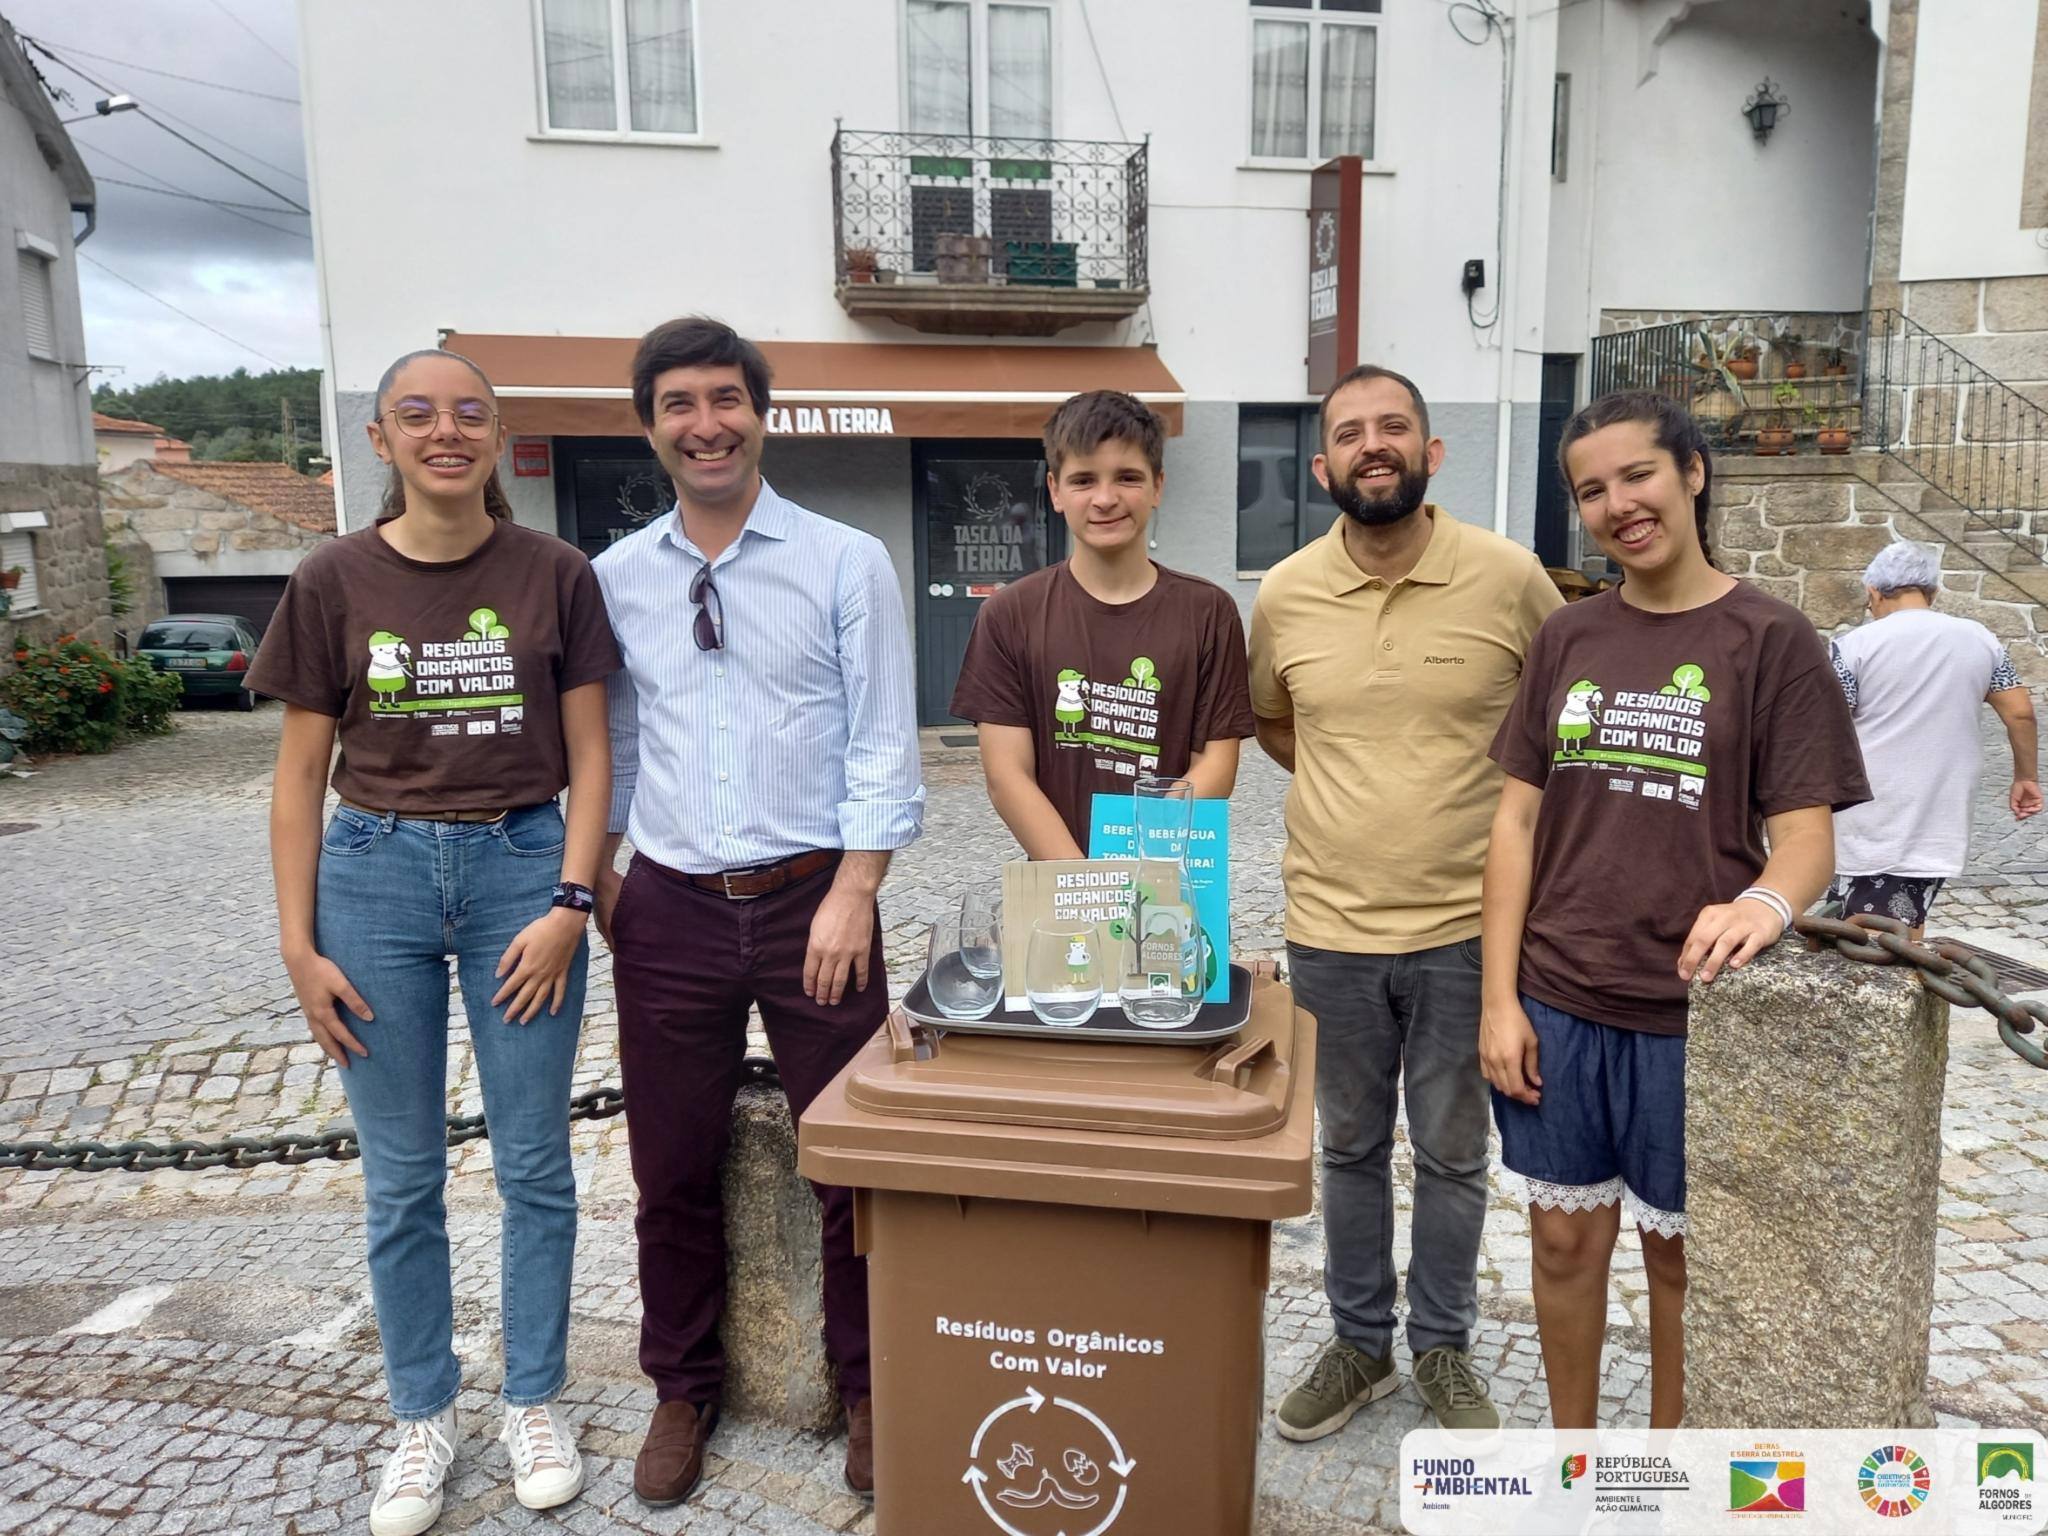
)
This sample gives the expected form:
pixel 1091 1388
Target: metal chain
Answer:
pixel 288 1148
pixel 1949 971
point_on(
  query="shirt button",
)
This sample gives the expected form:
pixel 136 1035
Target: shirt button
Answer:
pixel 728 829
pixel 1386 645
pixel 721 725
pixel 721 775
pixel 718 671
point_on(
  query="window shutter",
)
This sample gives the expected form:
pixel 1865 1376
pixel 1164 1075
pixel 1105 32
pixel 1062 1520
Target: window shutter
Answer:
pixel 19 549
pixel 38 304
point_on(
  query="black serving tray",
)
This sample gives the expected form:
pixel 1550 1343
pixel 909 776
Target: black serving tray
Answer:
pixel 1215 1021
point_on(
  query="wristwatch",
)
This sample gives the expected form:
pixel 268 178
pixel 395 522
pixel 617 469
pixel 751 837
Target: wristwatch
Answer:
pixel 577 898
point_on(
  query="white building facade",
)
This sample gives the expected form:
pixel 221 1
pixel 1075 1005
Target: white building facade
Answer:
pixel 940 217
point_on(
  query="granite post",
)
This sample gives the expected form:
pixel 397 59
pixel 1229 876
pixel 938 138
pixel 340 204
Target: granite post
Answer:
pixel 1813 1148
pixel 775 1366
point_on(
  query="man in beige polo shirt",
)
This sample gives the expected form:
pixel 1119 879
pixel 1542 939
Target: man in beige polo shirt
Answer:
pixel 1383 657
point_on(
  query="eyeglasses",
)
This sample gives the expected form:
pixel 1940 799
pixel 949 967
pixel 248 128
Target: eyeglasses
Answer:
pixel 416 418
pixel 709 628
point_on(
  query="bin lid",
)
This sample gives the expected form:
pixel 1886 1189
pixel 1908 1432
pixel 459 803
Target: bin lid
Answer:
pixel 1222 1129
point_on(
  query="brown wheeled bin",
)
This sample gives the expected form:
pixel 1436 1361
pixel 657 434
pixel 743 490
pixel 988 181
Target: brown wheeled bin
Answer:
pixel 1067 1264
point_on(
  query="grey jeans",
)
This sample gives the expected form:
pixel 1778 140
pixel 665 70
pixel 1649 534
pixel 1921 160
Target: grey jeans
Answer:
pixel 1382 1021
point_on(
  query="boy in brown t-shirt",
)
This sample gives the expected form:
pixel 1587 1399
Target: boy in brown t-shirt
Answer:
pixel 1105 666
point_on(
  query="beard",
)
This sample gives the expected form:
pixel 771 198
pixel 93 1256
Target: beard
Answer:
pixel 1403 499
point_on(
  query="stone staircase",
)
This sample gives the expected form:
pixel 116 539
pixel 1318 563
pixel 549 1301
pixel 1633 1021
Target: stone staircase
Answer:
pixel 1804 528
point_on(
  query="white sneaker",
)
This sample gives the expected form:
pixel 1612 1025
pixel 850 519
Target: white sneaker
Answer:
pixel 409 1496
pixel 546 1469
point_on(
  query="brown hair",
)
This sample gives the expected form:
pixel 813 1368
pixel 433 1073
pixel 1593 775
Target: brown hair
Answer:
pixel 1087 421
pixel 1671 426
pixel 696 342
pixel 1359 375
pixel 393 504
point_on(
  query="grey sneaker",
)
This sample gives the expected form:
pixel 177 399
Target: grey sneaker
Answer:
pixel 1453 1390
pixel 1343 1381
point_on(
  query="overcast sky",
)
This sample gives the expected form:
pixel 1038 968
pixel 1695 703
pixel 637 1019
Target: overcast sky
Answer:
pixel 252 283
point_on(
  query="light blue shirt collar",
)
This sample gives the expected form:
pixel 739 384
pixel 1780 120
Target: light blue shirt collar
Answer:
pixel 771 516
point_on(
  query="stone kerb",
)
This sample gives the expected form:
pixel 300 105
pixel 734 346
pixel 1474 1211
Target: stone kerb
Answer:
pixel 776 1370
pixel 1813 1151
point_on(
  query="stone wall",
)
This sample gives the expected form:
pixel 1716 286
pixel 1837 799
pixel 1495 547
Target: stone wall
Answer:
pixel 71 563
pixel 1803 529
pixel 176 519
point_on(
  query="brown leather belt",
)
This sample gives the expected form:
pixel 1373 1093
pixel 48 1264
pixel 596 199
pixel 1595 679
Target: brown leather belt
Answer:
pixel 432 815
pixel 747 884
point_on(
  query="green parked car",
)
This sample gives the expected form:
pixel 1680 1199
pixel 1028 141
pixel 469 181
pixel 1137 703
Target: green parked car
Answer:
pixel 212 652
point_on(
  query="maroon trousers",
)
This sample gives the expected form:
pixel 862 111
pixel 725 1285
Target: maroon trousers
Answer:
pixel 687 964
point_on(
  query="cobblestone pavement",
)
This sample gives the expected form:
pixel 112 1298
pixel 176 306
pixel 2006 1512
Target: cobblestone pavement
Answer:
pixel 193 1352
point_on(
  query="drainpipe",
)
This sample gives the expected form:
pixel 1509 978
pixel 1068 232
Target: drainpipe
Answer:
pixel 1509 275
pixel 92 222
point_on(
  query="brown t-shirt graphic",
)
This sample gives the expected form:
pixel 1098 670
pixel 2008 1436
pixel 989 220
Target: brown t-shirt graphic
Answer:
pixel 446 678
pixel 1108 690
pixel 1660 741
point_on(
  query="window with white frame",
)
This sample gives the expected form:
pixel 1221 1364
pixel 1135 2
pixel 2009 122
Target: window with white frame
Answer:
pixel 1315 74
pixel 19 550
pixel 33 259
pixel 626 68
pixel 978 67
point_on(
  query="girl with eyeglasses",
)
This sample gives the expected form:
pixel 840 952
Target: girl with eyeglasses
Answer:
pixel 459 659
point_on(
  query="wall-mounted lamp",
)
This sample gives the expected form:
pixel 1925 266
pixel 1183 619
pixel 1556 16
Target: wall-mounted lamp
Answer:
pixel 1764 109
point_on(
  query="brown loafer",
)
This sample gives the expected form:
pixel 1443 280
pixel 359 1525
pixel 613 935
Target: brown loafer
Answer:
pixel 671 1460
pixel 860 1448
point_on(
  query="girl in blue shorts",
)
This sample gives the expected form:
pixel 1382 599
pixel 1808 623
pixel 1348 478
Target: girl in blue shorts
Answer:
pixel 1662 729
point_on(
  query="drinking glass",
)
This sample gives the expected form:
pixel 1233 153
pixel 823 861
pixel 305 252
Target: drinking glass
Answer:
pixel 1063 972
pixel 961 989
pixel 1171 997
pixel 981 932
pixel 1162 818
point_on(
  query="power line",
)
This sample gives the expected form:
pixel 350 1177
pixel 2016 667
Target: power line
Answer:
pixel 230 209
pixel 290 64
pixel 169 74
pixel 167 304
pixel 194 197
pixel 228 144
pixel 144 112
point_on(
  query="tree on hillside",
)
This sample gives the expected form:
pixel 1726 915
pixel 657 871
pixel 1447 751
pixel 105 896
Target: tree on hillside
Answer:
pixel 237 417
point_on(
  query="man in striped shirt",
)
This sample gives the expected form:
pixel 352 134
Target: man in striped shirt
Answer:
pixel 765 763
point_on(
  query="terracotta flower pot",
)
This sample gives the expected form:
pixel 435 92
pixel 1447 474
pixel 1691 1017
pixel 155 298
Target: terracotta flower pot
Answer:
pixel 9 580
pixel 1836 370
pixel 1834 439
pixel 1795 370
pixel 1772 441
pixel 1742 367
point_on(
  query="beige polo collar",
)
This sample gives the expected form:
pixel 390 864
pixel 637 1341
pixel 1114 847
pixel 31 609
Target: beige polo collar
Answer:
pixel 1436 567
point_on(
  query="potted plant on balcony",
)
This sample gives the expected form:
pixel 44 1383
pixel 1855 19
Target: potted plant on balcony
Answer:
pixel 1793 345
pixel 1836 364
pixel 1834 435
pixel 1775 436
pixel 1741 360
pixel 861 261
pixel 11 578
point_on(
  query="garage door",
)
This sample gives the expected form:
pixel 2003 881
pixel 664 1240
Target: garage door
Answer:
pixel 253 598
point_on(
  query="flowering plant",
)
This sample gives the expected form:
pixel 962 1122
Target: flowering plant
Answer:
pixel 77 698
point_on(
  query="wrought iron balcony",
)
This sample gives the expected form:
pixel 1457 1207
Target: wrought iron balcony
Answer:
pixel 986 236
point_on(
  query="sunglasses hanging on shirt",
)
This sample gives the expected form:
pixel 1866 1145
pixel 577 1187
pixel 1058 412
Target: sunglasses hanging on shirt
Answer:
pixel 709 628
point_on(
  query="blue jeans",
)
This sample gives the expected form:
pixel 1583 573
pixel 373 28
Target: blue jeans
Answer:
pixel 396 899
pixel 1385 1023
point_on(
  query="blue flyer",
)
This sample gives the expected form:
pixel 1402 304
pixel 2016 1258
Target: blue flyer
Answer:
pixel 1208 872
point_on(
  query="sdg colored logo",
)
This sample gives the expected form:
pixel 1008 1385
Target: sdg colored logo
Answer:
pixel 1894 1481
pixel 1574 1466
pixel 1767 1485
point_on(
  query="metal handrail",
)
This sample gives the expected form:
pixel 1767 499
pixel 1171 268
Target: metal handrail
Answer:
pixel 1961 429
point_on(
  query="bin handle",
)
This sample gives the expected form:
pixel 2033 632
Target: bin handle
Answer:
pixel 903 1039
pixel 1234 1067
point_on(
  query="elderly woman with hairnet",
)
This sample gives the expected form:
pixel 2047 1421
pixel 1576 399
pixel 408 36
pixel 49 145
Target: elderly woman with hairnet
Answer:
pixel 1914 679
